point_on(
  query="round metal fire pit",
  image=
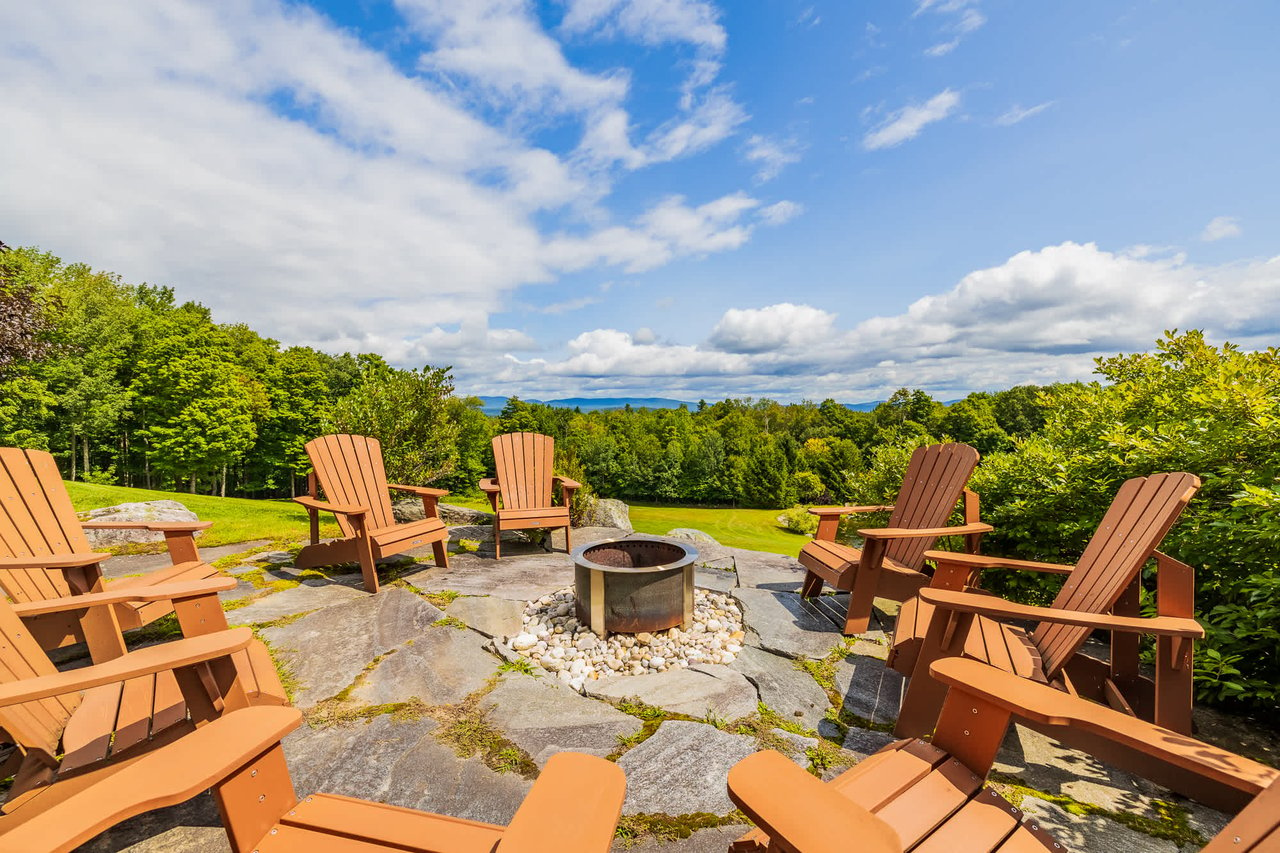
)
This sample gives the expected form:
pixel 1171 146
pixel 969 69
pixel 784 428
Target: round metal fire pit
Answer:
pixel 634 584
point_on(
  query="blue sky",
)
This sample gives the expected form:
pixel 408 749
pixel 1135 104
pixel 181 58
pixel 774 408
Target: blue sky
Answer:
pixel 667 197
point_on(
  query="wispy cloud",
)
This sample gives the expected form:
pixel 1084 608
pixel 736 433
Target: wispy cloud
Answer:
pixel 907 122
pixel 771 156
pixel 1220 228
pixel 808 17
pixel 1017 113
pixel 963 19
pixel 780 212
pixel 942 48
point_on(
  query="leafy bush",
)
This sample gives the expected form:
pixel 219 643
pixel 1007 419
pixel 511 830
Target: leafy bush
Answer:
pixel 798 519
pixel 1189 406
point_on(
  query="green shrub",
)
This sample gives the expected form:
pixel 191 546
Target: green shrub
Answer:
pixel 798 519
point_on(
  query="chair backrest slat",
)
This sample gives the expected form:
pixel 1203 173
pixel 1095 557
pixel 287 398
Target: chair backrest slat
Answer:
pixel 350 470
pixel 525 463
pixel 931 488
pixel 1139 517
pixel 36 519
pixel 33 725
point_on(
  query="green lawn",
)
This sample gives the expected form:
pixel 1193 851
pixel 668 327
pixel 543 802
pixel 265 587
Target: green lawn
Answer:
pixel 242 519
pixel 234 519
pixel 756 529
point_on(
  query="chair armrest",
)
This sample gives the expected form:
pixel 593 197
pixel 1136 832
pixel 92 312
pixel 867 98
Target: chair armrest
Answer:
pixel 924 532
pixel 420 491
pixel 574 805
pixel 336 509
pixel 175 591
pixel 490 484
pixel 803 812
pixel 1040 703
pixel 980 561
pixel 566 483
pixel 990 605
pixel 158 526
pixel 152 659
pixel 845 510
pixel 170 775
pixel 53 561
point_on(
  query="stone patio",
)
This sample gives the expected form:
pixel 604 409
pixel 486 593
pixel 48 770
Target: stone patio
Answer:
pixel 409 701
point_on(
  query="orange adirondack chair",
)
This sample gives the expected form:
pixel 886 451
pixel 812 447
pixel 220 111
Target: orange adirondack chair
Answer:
pixel 890 564
pixel 525 462
pixel 1101 593
pixel 573 806
pixel 922 796
pixel 72 729
pixel 349 469
pixel 44 554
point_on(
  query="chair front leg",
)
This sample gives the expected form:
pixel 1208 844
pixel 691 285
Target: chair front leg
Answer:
pixel 866 580
pixel 922 702
pixel 254 798
pixel 364 553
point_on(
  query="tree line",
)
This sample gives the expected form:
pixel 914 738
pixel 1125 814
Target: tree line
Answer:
pixel 124 385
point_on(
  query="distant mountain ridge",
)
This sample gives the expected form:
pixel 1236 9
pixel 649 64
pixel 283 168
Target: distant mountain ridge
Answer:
pixel 493 405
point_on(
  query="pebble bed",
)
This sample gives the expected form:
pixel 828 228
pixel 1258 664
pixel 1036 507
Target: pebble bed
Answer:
pixel 553 639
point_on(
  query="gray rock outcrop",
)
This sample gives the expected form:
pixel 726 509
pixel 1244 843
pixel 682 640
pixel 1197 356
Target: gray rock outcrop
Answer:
pixel 149 511
pixel 410 509
pixel 607 512
pixel 692 534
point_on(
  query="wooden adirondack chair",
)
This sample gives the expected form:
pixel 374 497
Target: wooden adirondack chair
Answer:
pixel 890 565
pixel 525 462
pixel 929 797
pixel 72 729
pixel 1101 593
pixel 573 806
pixel 44 554
pixel 349 469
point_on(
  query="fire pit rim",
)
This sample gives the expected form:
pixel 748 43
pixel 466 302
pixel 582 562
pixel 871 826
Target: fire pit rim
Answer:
pixel 690 555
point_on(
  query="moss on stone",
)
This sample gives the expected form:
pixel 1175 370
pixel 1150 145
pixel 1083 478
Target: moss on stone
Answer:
pixel 1173 823
pixel 449 622
pixel 465 726
pixel 635 828
pixel 521 665
pixel 825 755
pixel 157 631
pixel 441 598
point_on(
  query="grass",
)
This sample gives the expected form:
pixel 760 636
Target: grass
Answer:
pixel 234 519
pixel 242 519
pixel 754 529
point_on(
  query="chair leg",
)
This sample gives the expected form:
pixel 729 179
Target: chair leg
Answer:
pixel 922 701
pixel 568 539
pixel 254 798
pixel 858 617
pixel 441 552
pixel 368 567
pixel 812 585
pixel 497 540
